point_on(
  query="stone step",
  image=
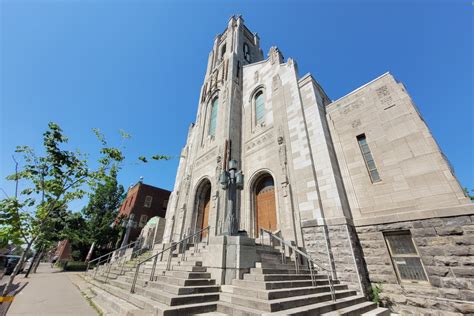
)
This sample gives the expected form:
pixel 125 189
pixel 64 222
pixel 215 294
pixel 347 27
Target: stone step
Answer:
pixel 184 281
pixel 134 299
pixel 176 289
pixel 279 271
pixel 353 310
pixel 188 275
pixel 152 307
pixel 322 307
pixel 232 309
pixel 277 265
pixel 281 277
pixel 379 311
pixel 280 293
pixel 168 298
pixel 112 305
pixel 279 284
pixel 283 303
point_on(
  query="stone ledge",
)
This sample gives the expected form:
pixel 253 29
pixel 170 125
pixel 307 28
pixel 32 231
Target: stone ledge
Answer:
pixel 467 209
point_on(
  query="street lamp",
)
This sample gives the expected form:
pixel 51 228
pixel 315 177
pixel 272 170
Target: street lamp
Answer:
pixel 128 225
pixel 232 181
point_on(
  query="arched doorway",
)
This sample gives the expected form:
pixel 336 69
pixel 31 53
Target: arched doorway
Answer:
pixel 265 206
pixel 203 206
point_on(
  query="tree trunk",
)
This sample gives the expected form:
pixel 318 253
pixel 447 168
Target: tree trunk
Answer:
pixel 33 261
pixel 38 261
pixel 6 290
pixel 89 254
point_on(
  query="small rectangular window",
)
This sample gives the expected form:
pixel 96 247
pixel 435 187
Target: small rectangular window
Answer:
pixel 143 220
pixel 369 160
pixel 405 257
pixel 148 200
pixel 165 204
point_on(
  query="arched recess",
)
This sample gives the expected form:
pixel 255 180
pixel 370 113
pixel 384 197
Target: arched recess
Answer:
pixel 264 203
pixel 202 206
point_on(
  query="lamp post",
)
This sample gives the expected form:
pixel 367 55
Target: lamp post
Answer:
pixel 128 226
pixel 231 181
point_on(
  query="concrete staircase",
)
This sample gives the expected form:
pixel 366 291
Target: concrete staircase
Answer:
pixel 185 289
pixel 271 288
pixel 274 288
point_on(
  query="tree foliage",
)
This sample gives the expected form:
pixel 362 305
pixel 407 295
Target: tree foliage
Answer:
pixel 102 210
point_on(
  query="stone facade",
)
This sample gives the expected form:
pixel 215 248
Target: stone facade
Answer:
pixel 327 200
pixel 446 247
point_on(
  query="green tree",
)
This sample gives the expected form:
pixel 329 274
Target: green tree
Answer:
pixel 102 210
pixel 468 194
pixel 50 182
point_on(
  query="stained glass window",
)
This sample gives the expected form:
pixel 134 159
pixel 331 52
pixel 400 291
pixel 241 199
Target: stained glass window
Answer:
pixel 260 108
pixel 213 121
pixel 369 160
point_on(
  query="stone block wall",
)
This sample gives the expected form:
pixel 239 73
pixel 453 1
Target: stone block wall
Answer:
pixel 345 254
pixel 446 248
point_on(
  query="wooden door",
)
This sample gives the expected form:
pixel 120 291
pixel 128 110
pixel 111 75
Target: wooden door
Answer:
pixel 205 213
pixel 265 206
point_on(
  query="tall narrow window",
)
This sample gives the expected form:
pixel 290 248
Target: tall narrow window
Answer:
pixel 213 121
pixel 369 160
pixel 405 257
pixel 143 220
pixel 259 108
pixel 246 52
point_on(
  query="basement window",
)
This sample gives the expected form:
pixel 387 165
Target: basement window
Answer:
pixel 405 257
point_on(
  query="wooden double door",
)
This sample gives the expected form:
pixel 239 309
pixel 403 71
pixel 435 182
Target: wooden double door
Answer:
pixel 205 205
pixel 265 205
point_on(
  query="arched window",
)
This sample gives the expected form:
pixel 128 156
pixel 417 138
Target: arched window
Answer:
pixel 213 120
pixel 259 108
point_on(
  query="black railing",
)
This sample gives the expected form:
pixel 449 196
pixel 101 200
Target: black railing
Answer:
pixel 196 237
pixel 311 262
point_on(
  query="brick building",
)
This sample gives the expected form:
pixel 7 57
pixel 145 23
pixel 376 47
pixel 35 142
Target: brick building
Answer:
pixel 144 201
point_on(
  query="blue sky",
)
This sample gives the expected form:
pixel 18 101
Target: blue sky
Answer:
pixel 139 66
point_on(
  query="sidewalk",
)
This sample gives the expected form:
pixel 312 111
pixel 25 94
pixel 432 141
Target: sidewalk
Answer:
pixel 50 292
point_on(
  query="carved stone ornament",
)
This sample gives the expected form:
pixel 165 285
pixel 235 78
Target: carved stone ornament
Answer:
pixel 382 91
pixel 355 123
pixel 276 82
pixel 226 92
pixel 280 140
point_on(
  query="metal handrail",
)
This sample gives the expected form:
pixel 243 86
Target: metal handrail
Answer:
pixel 108 255
pixel 173 246
pixel 310 260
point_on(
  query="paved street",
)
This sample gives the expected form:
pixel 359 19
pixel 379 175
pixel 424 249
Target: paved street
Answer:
pixel 50 292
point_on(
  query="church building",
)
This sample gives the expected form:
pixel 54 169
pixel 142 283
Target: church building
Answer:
pixel 358 183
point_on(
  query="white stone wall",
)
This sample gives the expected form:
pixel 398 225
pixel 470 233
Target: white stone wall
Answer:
pixel 415 175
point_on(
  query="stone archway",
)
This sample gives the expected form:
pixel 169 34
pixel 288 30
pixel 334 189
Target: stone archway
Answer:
pixel 265 204
pixel 203 206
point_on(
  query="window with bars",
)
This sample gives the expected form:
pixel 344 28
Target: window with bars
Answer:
pixel 369 160
pixel 213 120
pixel 259 108
pixel 148 200
pixel 405 257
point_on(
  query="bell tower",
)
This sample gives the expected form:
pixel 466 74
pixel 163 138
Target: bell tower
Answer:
pixel 220 107
pixel 214 139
